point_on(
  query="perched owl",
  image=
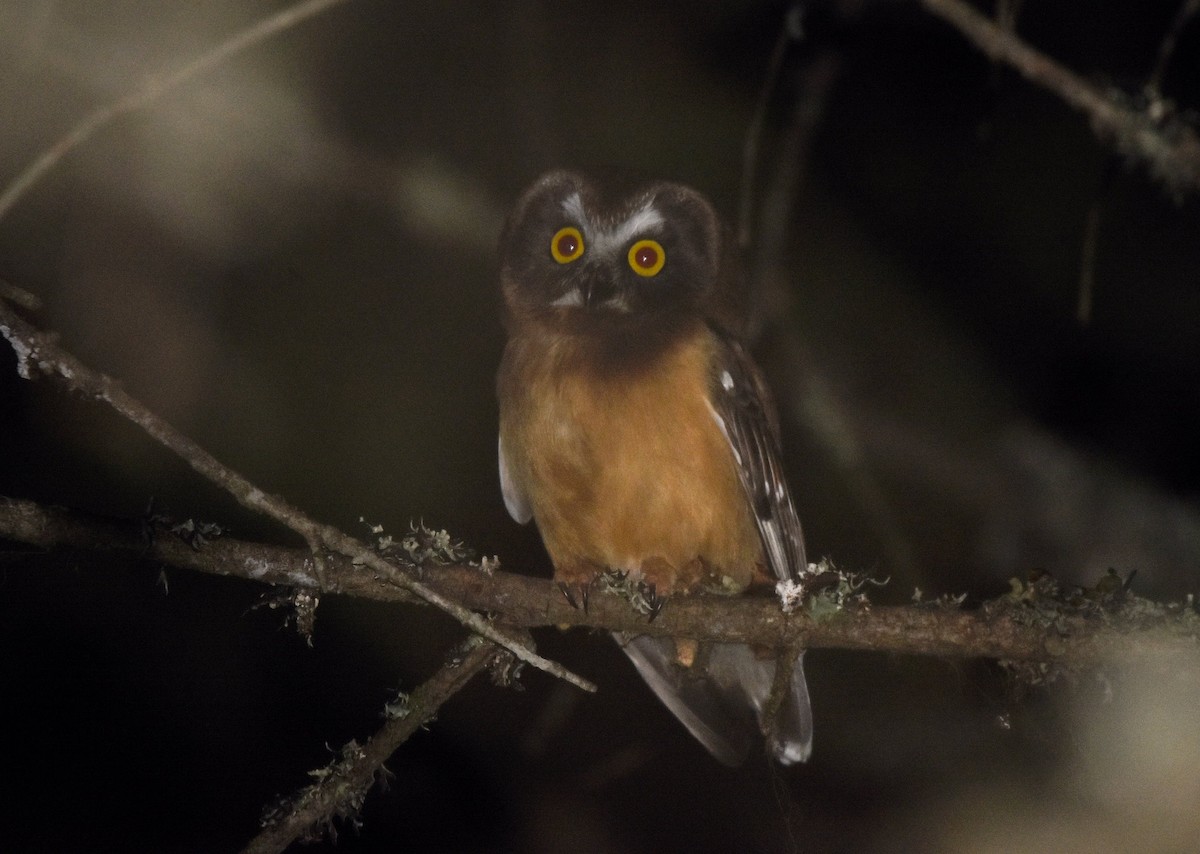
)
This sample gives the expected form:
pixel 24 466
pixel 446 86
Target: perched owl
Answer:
pixel 637 432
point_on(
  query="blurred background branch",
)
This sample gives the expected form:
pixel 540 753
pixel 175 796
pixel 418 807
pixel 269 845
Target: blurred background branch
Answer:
pixel 155 88
pixel 1168 147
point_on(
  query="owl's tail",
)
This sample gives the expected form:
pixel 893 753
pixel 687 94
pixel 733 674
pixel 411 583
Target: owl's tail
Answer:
pixel 720 698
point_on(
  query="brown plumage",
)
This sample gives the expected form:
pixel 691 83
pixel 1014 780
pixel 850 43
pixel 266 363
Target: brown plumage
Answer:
pixel 638 434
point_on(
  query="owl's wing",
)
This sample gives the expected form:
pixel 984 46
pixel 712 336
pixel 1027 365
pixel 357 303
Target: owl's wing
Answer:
pixel 721 700
pixel 515 498
pixel 743 410
pixel 707 701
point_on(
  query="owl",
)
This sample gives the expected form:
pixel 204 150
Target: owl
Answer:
pixel 638 434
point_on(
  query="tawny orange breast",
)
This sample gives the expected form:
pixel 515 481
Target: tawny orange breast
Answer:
pixel 627 470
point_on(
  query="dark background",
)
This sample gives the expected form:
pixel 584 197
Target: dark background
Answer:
pixel 292 260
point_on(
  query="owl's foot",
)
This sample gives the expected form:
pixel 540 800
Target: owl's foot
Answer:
pixel 642 595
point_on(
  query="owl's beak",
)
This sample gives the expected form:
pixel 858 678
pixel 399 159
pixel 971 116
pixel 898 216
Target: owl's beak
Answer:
pixel 594 290
pixel 597 289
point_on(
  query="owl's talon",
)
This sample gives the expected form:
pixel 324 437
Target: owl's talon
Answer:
pixel 655 602
pixel 565 589
pixel 571 591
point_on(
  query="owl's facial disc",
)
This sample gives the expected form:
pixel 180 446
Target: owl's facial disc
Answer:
pixel 596 257
pixel 595 263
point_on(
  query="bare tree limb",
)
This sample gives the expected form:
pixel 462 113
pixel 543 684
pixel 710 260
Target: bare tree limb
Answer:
pixel 38 353
pixel 1170 148
pixel 339 789
pixel 153 89
pixel 1012 628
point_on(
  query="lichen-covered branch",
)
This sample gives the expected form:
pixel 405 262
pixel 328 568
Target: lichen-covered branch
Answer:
pixel 38 353
pixel 1169 147
pixel 1031 624
pixel 339 789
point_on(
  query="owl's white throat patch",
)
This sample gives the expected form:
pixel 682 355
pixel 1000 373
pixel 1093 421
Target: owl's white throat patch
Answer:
pixel 571 299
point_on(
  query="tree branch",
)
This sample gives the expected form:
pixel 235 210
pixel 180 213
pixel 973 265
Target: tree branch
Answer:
pixel 1030 626
pixel 37 352
pixel 1037 626
pixel 339 789
pixel 1170 148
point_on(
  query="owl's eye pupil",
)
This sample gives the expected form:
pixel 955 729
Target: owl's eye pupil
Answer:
pixel 566 245
pixel 647 257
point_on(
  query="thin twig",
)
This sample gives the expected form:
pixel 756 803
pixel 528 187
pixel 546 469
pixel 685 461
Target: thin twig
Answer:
pixel 37 352
pixel 154 88
pixel 339 789
pixel 1170 150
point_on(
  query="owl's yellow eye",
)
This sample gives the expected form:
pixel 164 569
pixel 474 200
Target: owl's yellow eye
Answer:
pixel 647 257
pixel 566 245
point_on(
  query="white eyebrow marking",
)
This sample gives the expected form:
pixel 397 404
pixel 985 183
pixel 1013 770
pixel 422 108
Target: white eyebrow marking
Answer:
pixel 606 241
pixel 646 218
pixel 643 219
pixel 572 206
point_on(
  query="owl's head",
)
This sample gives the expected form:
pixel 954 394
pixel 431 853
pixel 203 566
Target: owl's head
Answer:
pixel 572 256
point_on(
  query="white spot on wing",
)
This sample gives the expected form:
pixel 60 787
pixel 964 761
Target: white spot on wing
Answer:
pixel 726 381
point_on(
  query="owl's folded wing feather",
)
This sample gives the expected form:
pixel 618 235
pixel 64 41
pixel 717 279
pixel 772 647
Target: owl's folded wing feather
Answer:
pixel 720 701
pixel 708 703
pixel 743 409
pixel 515 498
